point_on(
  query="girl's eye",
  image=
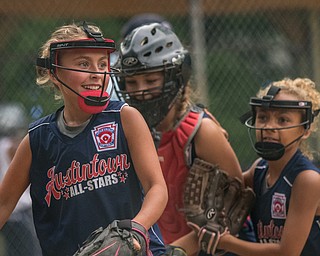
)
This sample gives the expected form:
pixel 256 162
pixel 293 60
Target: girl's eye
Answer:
pixel 84 64
pixel 261 118
pixel 283 120
pixel 152 81
pixel 103 65
pixel 130 82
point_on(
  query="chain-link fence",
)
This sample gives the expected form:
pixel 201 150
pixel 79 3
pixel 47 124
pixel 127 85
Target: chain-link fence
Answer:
pixel 237 46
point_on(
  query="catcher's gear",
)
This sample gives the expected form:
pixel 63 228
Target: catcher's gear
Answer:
pixel 153 48
pixel 116 239
pixel 172 250
pixel 215 203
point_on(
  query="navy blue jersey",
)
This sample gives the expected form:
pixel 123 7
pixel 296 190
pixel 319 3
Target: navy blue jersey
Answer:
pixel 271 207
pixel 79 184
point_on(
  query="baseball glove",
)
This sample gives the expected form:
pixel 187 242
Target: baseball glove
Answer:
pixel 215 203
pixel 174 251
pixel 116 239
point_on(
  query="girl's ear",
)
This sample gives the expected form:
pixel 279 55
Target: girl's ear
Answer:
pixel 55 82
pixel 306 134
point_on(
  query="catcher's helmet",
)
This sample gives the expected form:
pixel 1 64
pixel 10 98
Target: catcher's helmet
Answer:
pixel 143 19
pixel 271 150
pixel 153 48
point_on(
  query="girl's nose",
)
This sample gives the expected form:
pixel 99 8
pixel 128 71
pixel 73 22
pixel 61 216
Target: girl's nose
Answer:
pixel 270 124
pixel 96 72
pixel 140 86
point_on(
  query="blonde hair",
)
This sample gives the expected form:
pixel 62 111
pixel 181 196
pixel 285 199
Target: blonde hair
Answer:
pixel 63 33
pixel 303 89
pixel 185 101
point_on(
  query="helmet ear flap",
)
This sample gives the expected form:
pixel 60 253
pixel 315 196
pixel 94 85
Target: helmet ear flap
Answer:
pixel 186 68
pixel 311 116
pixel 121 82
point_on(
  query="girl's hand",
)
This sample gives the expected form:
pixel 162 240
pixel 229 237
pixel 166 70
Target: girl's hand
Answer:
pixel 224 240
pixel 137 246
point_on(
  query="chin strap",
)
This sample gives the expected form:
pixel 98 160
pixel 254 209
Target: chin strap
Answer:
pixel 273 151
pixel 93 102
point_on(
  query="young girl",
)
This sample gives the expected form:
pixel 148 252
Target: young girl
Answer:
pixel 91 162
pixel 155 71
pixel 286 214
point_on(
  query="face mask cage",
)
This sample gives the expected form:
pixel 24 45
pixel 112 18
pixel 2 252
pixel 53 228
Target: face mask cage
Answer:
pixel 95 41
pixel 51 63
pixel 270 150
pixel 304 106
pixel 154 104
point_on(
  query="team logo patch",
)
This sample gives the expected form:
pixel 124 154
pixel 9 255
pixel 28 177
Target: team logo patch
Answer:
pixel 105 136
pixel 278 208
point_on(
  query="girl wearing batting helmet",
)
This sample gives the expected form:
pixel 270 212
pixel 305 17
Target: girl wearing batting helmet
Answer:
pixel 286 214
pixel 91 162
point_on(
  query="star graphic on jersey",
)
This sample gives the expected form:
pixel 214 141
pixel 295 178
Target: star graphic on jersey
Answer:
pixel 123 179
pixel 66 194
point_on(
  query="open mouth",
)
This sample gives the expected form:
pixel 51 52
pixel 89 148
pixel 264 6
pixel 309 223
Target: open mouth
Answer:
pixel 269 139
pixel 92 87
